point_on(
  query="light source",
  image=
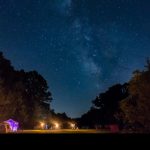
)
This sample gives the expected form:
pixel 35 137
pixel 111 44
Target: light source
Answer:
pixel 72 125
pixel 56 125
pixel 42 124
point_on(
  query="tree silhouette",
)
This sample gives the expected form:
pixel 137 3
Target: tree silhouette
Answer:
pixel 104 107
pixel 136 107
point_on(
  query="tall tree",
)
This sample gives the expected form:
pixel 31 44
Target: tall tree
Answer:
pixel 108 102
pixel 6 86
pixel 37 95
pixel 136 108
pixel 104 107
pixel 6 73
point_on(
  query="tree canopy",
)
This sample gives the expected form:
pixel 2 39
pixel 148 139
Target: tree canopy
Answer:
pixel 136 107
pixel 105 105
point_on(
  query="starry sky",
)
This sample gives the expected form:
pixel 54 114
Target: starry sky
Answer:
pixel 81 47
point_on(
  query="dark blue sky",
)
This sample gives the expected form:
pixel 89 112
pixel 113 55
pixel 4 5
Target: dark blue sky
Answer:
pixel 81 47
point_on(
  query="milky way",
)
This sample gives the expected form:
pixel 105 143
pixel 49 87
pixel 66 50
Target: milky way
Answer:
pixel 81 47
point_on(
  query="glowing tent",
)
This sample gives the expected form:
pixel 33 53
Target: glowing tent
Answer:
pixel 13 124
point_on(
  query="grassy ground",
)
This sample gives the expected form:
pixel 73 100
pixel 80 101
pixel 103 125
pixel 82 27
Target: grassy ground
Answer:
pixel 63 131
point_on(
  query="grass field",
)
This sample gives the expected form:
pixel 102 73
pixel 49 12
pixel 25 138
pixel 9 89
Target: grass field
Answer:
pixel 62 131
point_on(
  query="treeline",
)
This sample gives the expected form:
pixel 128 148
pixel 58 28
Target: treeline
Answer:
pixel 126 105
pixel 104 107
pixel 24 96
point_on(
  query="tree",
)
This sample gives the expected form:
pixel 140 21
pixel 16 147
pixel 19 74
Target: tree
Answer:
pixel 6 86
pixel 105 107
pixel 108 102
pixel 37 96
pixel 136 107
pixel 91 118
pixel 6 72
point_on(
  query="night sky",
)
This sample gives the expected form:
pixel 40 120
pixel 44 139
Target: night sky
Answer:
pixel 81 47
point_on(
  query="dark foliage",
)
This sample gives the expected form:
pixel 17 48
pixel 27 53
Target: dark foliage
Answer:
pixel 104 107
pixel 24 95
